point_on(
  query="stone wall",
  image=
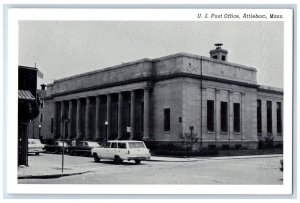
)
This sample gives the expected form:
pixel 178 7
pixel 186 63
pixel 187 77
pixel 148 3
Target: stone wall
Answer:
pixel 274 95
pixel 167 94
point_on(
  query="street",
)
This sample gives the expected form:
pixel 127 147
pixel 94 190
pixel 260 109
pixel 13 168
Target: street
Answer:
pixel 200 170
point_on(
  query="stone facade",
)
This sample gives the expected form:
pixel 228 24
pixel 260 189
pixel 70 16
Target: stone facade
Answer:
pixel 158 99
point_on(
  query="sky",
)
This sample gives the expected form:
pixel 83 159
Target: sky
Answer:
pixel 65 48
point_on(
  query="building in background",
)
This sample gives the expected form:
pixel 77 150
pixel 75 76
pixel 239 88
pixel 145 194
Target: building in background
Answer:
pixel 35 126
pixel 158 100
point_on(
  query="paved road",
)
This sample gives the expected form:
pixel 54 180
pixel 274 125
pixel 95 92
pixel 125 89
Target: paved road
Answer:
pixel 202 171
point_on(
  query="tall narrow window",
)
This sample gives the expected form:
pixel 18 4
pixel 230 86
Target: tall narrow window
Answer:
pixel 129 114
pixel 42 104
pixel 269 116
pixel 236 117
pixel 259 129
pixel 52 122
pixel 279 118
pixel 41 118
pixel 224 117
pixel 167 119
pixel 142 116
pixel 210 115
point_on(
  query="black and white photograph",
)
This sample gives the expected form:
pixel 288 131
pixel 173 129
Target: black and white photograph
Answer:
pixel 146 102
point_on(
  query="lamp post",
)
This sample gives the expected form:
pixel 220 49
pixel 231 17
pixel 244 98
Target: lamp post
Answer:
pixel 106 128
pixel 40 126
pixel 63 147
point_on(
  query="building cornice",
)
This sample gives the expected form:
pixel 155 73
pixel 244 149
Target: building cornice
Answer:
pixel 155 79
pixel 269 89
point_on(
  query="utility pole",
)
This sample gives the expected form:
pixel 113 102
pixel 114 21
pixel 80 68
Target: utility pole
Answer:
pixel 64 121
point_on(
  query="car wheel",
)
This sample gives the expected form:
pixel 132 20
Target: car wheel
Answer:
pixel 118 160
pixel 137 161
pixel 37 153
pixel 96 158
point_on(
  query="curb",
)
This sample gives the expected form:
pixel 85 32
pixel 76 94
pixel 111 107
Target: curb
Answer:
pixel 193 159
pixel 50 176
pixel 172 161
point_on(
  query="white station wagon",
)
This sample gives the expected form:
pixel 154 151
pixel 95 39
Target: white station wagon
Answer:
pixel 120 150
pixel 35 146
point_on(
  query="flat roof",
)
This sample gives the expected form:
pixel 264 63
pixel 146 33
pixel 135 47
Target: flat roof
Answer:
pixel 180 54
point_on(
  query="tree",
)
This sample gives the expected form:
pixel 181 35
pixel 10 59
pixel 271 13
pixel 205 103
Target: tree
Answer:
pixel 189 138
pixel 28 110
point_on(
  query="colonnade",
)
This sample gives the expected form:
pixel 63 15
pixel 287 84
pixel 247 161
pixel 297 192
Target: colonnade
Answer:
pixel 104 116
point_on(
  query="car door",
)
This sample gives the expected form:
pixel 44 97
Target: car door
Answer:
pixel 53 147
pixel 104 152
pixel 113 150
pixel 122 150
pixel 78 147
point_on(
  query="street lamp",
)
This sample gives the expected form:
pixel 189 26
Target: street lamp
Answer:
pixel 106 128
pixel 40 126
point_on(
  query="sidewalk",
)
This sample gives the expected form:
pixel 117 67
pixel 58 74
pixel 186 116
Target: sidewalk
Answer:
pixel 52 169
pixel 29 172
pixel 45 168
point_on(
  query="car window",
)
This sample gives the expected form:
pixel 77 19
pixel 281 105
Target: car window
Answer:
pixel 114 145
pixel 136 145
pixel 122 145
pixel 61 144
pixel 107 145
pixel 34 141
pixel 93 144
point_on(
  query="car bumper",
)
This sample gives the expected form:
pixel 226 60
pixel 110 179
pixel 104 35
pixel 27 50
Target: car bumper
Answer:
pixel 142 158
pixel 35 150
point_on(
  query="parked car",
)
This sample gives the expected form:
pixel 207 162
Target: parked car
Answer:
pixel 57 147
pixel 35 146
pixel 83 148
pixel 121 150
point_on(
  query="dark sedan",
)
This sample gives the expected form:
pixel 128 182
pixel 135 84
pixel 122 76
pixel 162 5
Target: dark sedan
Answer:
pixel 57 147
pixel 83 148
